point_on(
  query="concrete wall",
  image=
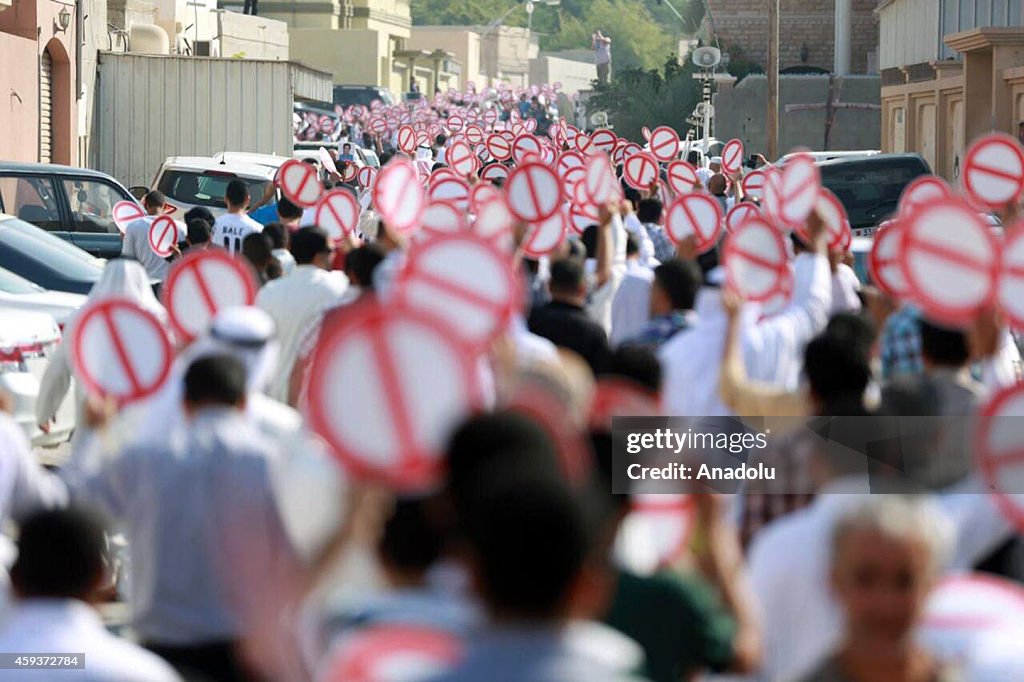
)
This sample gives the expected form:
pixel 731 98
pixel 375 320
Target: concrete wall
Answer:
pixel 353 57
pixel 462 42
pixel 253 37
pixel 740 112
pixel 19 104
pixel 574 76
pixel 811 22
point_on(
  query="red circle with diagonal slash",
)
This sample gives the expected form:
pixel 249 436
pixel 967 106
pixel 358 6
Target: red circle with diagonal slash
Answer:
pixel 682 177
pixel 407 139
pixel 474 134
pixel 494 172
pixel 753 184
pixel 524 146
pixel 732 156
pixel 583 144
pixel 490 117
pixel 755 261
pixel 1000 421
pixel 640 170
pixel 387 386
pixel 337 212
pixel 530 125
pixel 543 238
pixel 494 222
pixel 884 262
pixel 664 143
pixel 114 337
pixel 481 194
pixel 696 214
pixel 398 195
pixel 378 125
pixel 1010 292
pixel 571 179
pixel 604 140
pixel 534 192
pixel 349 172
pixel 629 149
pixel 833 215
pixel 299 183
pixel 202 284
pixel 442 217
pixel 163 236
pixel 461 159
pixel 498 147
pixel 455 123
pixel 453 189
pixel 125 212
pixel 373 654
pixel 950 260
pixel 993 174
pixel 570 159
pixel 923 190
pixel 366 176
pixel 741 213
pixel 582 216
pixel 797 192
pixel 600 183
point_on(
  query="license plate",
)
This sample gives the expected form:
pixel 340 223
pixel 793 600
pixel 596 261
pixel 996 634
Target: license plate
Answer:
pixel 863 231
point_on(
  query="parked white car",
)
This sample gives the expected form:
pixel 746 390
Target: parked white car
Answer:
pixel 27 341
pixel 17 293
pixel 189 181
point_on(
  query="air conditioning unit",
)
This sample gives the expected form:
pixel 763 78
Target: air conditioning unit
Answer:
pixel 202 48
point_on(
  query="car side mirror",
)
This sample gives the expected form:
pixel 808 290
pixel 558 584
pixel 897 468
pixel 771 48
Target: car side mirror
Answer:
pixel 138 191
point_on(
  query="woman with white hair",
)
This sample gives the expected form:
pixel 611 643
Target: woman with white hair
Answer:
pixel 122 278
pixel 887 553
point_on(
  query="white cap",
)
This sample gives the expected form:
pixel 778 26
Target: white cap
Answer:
pixel 716 159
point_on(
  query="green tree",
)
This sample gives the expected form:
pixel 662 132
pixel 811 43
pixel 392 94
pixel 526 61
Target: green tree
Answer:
pixel 653 97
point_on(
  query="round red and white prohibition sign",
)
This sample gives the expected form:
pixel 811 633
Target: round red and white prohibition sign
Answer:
pixel 604 140
pixel 583 144
pixel 664 143
pixel 453 189
pixel 534 192
pixel 543 238
pixel 299 183
pixel 482 193
pixel 465 282
pixel 125 212
pixel 498 147
pixel 753 184
pixel 455 123
pixel 993 174
pixel 682 177
pixel 407 139
pixel 569 160
pixel 442 217
pixel 398 195
pixel 163 236
pixel 474 134
pixel 923 190
pixel 741 213
pixel 494 222
pixel 391 653
pixel 798 189
pixel 640 170
pixel 1010 291
pixel 461 159
pixel 695 214
pixel 338 213
pixel 732 156
pixel 387 387
pixel 600 182
pixel 525 145
pixel 494 172
pixel 884 262
pixel 1000 448
pixel 120 350
pixel 202 284
pixel 756 261
pixel 366 176
pixel 950 260
pixel 833 215
pixel 646 132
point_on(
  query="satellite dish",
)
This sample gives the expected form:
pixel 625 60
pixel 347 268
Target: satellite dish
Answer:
pixel 599 120
pixel 707 57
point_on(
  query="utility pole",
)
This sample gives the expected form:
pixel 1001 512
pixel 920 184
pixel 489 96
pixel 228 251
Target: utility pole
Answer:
pixel 772 115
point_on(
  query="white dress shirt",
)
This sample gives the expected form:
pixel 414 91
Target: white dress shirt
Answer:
pixel 202 524
pixel 845 286
pixel 297 304
pixel 632 303
pixel 52 626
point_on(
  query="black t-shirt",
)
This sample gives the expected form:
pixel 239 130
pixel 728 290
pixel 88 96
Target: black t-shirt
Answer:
pixel 569 326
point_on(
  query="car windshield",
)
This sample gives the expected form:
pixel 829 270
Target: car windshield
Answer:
pixel 21 241
pixel 869 191
pixel 204 188
pixel 16 284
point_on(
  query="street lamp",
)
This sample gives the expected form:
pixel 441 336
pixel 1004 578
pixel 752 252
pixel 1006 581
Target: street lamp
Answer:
pixel 63 19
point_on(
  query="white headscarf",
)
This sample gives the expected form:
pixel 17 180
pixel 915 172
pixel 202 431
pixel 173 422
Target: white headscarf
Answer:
pixel 127 279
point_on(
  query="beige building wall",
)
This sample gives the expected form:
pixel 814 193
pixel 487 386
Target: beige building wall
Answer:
pixel 460 41
pixel 336 52
pixel 574 76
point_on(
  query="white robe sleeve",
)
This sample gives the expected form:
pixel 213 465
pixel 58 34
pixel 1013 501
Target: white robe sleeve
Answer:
pixel 54 385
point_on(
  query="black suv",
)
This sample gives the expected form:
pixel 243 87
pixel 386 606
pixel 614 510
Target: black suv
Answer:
pixel 71 203
pixel 870 187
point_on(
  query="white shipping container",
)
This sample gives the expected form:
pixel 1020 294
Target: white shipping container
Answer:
pixel 149 107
